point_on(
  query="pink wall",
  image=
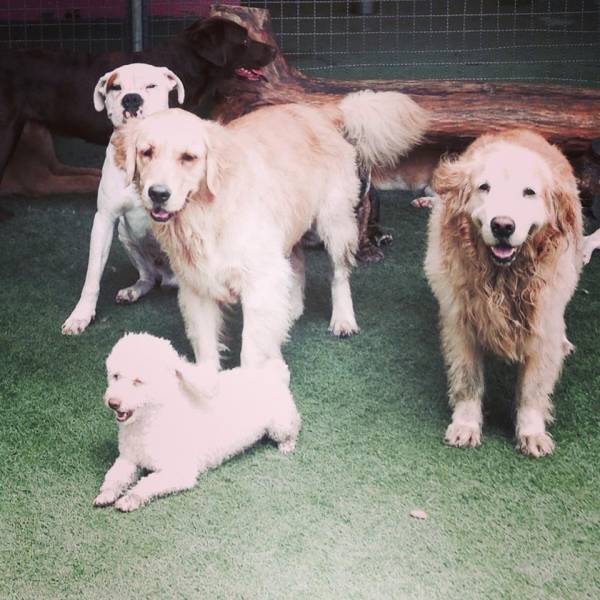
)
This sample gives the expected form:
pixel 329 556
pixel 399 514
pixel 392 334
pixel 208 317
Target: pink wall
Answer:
pixel 34 10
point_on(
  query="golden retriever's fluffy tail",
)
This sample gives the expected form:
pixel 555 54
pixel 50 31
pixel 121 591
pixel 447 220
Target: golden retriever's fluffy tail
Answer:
pixel 383 126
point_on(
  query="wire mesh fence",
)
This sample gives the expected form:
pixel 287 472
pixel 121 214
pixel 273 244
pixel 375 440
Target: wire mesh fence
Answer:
pixel 536 40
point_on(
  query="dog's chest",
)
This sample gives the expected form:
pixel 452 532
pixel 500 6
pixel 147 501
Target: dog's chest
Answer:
pixel 204 264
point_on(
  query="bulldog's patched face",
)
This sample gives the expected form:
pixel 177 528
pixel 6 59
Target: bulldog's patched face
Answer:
pixel 135 91
pixel 510 198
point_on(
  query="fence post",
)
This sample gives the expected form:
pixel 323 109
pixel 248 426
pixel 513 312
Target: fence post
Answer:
pixel 137 25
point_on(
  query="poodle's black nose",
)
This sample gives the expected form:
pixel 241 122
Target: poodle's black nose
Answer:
pixel 502 227
pixel 159 194
pixel 114 403
pixel 132 102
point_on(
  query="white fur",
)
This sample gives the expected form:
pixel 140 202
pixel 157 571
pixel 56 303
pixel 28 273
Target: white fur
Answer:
pixel 119 201
pixel 185 419
pixel 241 198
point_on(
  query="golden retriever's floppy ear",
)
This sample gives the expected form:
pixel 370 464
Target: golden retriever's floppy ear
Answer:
pixel 451 181
pixel 124 143
pixel 566 206
pixel 198 381
pixel 218 152
pixel 100 92
pixel 175 83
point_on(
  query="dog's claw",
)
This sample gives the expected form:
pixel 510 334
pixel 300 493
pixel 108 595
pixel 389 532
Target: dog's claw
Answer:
pixel 463 435
pixel 105 498
pixel 76 325
pixel 129 503
pixel 537 445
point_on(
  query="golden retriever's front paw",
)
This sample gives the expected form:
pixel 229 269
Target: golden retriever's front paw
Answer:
pixel 536 444
pixel 105 498
pixel 129 502
pixel 463 435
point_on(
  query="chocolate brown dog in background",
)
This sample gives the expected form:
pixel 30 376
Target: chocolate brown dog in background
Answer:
pixel 53 89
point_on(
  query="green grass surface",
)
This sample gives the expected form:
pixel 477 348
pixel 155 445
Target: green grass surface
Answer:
pixel 331 520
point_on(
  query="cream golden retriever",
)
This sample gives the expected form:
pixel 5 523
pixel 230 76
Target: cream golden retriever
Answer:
pixel 503 259
pixel 230 204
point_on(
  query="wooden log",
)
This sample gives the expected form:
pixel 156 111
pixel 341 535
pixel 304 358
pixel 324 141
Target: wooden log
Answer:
pixel 461 110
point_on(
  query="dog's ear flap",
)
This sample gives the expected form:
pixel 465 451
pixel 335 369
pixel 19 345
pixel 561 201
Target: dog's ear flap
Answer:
pixel 217 157
pixel 451 181
pixel 175 83
pixel 124 145
pixel 100 92
pixel 198 381
pixel 209 38
pixel 566 205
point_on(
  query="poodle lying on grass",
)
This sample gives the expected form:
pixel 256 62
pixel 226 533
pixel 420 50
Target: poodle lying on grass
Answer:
pixel 177 419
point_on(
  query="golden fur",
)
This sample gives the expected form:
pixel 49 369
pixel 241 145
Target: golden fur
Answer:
pixel 515 311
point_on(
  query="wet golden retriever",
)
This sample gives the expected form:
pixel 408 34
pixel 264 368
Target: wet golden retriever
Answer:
pixel 230 205
pixel 503 260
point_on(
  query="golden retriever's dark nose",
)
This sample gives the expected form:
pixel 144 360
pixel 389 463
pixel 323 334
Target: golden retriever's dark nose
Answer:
pixel 502 227
pixel 159 194
pixel 114 403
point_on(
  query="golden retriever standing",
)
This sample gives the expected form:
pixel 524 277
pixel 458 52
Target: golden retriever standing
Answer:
pixel 503 259
pixel 230 204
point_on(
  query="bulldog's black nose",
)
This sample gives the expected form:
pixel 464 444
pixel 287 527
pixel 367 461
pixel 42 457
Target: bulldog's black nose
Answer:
pixel 502 227
pixel 132 102
pixel 159 194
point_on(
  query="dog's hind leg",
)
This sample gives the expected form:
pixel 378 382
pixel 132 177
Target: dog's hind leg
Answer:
pixel 267 312
pixel 298 282
pixel 590 243
pixel 159 483
pixel 148 275
pixel 285 427
pixel 337 227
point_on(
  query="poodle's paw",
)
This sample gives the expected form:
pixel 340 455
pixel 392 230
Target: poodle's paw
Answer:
pixel 535 444
pixel 423 202
pixel 343 327
pixel 463 435
pixel 76 323
pixel 106 498
pixel 129 502
pixel 288 446
pixel 128 295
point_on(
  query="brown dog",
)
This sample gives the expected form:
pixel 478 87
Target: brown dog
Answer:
pixel 54 89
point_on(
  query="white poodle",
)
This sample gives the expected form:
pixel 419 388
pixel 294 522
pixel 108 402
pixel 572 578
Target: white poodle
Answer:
pixel 178 419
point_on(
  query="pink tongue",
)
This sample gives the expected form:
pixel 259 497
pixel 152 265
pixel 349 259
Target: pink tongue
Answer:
pixel 502 251
pixel 251 74
pixel 161 213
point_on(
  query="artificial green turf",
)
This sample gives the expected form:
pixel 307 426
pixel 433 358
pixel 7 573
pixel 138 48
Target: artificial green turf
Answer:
pixel 331 520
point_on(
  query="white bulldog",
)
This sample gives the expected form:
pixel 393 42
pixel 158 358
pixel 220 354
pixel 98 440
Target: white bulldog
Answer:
pixel 133 91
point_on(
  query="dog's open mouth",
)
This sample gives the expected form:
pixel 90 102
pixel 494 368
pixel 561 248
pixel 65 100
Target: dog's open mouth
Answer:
pixel 503 254
pixel 161 215
pixel 131 115
pixel 250 74
pixel 123 415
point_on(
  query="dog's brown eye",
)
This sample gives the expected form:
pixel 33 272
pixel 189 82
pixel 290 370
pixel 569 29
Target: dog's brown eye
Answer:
pixel 528 192
pixel 186 157
pixel 152 85
pixel 115 376
pixel 484 187
pixel 137 382
pixel 115 87
pixel 147 153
